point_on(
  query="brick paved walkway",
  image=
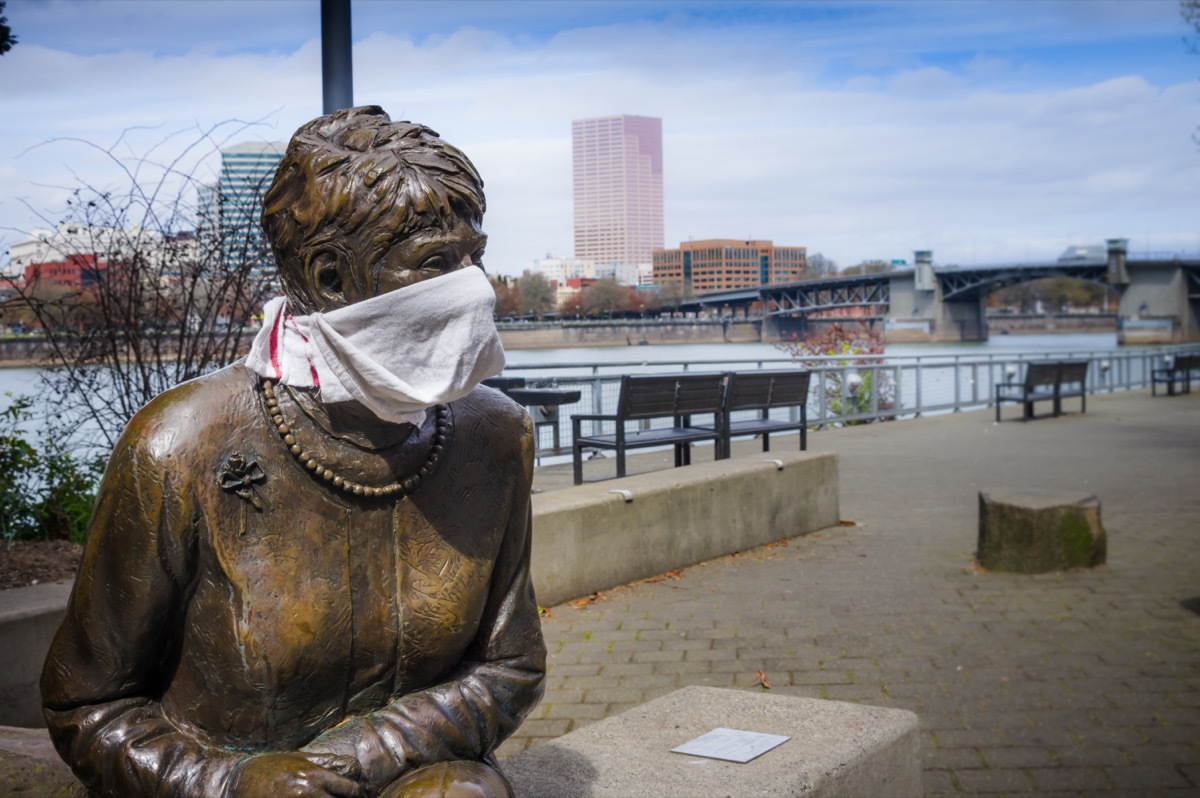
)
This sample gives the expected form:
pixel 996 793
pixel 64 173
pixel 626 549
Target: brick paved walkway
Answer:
pixel 1083 683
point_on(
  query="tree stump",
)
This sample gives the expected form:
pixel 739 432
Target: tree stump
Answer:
pixel 1036 531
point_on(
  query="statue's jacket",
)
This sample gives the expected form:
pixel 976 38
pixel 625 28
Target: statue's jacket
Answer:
pixel 229 603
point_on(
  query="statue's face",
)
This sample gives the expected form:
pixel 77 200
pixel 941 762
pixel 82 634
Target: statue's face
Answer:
pixel 421 255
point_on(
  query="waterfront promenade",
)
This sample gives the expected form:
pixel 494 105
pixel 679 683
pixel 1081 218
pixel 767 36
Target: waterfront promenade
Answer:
pixel 1084 683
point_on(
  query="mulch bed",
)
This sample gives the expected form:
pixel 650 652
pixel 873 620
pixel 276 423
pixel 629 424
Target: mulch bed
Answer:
pixel 36 563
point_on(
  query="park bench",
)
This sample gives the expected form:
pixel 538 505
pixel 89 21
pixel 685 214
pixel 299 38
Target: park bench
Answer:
pixel 1046 380
pixel 762 391
pixel 1180 370
pixel 645 398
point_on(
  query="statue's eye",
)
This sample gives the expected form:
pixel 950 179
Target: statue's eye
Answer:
pixel 435 262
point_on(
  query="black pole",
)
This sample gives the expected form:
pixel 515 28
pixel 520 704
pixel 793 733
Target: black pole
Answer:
pixel 337 61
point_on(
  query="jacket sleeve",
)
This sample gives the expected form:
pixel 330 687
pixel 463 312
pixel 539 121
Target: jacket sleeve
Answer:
pixel 486 698
pixel 113 653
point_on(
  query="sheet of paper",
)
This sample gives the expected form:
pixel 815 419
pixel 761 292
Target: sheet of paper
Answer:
pixel 731 745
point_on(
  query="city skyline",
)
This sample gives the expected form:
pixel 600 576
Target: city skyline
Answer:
pixel 986 132
pixel 617 187
pixel 229 209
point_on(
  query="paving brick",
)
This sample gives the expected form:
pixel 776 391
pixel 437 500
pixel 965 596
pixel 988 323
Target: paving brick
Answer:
pixel 1098 756
pixel 1018 756
pixel 658 656
pixel 1063 676
pixel 952 758
pixel 938 783
pixel 1146 778
pixel 1069 778
pixel 991 780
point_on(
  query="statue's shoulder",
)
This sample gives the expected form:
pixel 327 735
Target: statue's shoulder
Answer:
pixel 490 407
pixel 198 409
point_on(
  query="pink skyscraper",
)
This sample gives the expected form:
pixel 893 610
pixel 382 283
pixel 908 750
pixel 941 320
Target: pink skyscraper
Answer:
pixel 618 188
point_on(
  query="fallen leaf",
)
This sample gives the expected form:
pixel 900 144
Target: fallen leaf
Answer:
pixel 586 600
pixel 760 678
pixel 676 574
pixel 848 522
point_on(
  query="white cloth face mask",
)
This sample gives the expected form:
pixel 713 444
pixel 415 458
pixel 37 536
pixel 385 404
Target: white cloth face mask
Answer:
pixel 398 353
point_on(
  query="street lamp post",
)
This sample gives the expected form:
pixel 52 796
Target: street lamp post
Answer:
pixel 337 61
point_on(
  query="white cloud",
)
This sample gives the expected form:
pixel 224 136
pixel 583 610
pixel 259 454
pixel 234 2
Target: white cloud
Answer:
pixel 814 135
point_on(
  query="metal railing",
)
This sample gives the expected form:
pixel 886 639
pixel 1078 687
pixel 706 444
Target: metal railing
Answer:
pixel 856 388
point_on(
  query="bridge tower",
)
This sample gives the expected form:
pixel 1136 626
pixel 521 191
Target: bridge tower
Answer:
pixel 919 310
pixel 1160 297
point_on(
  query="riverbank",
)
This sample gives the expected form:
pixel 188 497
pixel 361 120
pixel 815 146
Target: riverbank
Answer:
pixel 30 351
pixel 648 332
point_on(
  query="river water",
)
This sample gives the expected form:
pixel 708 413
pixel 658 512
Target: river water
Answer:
pixel 567 362
pixel 584 357
pixel 18 381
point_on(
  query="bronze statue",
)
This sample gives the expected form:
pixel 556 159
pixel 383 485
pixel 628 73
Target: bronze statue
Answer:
pixel 288 594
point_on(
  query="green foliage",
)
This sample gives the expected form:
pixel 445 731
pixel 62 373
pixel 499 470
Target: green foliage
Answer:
pixel 7 39
pixel 1056 295
pixel 46 494
pixel 855 378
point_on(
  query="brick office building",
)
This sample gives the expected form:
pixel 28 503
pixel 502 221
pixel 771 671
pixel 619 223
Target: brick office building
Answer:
pixel 722 264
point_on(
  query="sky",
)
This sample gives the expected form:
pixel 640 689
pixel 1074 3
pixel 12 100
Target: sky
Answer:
pixel 988 132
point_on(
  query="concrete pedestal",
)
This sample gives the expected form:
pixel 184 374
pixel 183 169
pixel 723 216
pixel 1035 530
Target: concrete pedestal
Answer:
pixel 1036 531
pixel 836 749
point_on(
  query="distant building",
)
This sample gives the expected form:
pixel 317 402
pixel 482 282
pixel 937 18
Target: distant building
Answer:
pixel 44 247
pixel 559 270
pixel 73 273
pixel 230 209
pixel 723 264
pixel 570 287
pixel 618 188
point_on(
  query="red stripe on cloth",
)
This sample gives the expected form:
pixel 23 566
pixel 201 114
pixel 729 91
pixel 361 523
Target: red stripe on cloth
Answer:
pixel 311 368
pixel 274 341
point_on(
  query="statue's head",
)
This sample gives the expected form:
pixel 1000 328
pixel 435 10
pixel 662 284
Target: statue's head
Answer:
pixel 361 205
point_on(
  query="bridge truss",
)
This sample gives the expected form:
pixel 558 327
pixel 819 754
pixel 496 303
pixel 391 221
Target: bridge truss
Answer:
pixel 973 282
pixel 817 296
pixel 1193 282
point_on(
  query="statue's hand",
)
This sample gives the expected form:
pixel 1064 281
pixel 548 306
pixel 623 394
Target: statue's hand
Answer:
pixel 299 775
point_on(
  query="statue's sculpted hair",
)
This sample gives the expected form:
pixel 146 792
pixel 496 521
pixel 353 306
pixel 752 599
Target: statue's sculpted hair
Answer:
pixel 356 182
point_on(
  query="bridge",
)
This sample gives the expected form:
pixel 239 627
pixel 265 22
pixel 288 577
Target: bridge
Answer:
pixel 1159 296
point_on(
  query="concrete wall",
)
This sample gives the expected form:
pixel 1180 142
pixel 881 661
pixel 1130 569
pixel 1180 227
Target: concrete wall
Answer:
pixel 588 538
pixel 585 539
pixel 29 617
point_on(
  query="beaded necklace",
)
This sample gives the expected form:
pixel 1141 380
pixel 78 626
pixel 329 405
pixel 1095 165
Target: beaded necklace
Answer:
pixel 323 472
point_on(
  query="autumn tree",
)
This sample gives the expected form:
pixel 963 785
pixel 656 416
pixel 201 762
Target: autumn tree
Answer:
pixel 165 304
pixel 537 295
pixel 869 267
pixel 817 265
pixel 571 307
pixel 672 295
pixel 854 380
pixel 604 298
pixel 508 299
